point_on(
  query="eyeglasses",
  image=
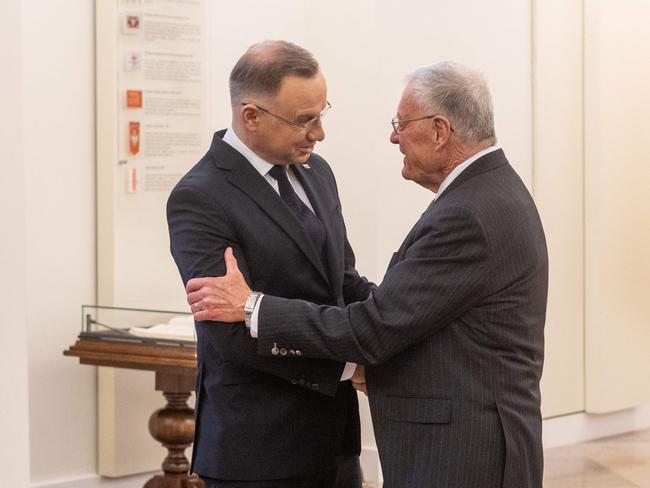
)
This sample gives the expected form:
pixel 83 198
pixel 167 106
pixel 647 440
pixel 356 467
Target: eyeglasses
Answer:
pixel 400 125
pixel 306 125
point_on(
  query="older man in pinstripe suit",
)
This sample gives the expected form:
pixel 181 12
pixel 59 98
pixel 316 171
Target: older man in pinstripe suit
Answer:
pixel 453 337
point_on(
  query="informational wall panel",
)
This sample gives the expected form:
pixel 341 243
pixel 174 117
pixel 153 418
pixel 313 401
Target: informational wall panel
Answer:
pixel 151 128
pixel 617 223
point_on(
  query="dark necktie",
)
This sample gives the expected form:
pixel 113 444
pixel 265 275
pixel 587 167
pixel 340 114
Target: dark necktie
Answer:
pixel 306 217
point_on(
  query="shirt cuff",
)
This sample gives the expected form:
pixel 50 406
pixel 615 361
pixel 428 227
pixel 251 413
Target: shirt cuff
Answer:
pixel 348 371
pixel 256 312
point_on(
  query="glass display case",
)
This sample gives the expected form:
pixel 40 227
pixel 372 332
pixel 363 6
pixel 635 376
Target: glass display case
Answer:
pixel 137 325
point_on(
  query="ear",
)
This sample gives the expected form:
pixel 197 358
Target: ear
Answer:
pixel 441 130
pixel 250 117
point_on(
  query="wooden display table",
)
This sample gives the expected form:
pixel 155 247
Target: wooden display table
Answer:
pixel 173 425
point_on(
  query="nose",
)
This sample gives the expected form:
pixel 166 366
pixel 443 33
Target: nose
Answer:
pixel 316 132
pixel 394 137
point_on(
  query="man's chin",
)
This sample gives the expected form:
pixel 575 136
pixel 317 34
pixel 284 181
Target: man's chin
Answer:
pixel 302 157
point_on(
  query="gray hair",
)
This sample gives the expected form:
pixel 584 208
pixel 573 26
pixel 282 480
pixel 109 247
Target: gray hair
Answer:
pixel 263 66
pixel 460 94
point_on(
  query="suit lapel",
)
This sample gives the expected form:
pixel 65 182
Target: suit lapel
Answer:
pixel 249 181
pixel 320 205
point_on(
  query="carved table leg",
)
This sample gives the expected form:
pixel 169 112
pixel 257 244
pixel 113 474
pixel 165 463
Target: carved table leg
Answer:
pixel 173 427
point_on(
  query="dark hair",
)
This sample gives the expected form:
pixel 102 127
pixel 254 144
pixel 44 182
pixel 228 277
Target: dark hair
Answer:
pixel 263 66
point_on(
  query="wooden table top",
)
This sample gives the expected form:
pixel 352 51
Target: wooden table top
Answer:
pixel 152 357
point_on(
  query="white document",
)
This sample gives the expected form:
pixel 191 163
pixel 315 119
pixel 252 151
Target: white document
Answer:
pixel 179 328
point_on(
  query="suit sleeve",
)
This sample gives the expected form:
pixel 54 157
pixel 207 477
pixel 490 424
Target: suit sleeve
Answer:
pixel 199 234
pixel 441 276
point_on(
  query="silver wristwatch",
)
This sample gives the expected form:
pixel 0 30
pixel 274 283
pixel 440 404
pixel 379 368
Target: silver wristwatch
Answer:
pixel 249 306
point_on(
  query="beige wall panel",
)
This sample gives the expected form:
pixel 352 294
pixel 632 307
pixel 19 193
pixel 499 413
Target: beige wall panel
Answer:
pixel 14 359
pixel 558 191
pixel 125 398
pixel 58 143
pixel 617 177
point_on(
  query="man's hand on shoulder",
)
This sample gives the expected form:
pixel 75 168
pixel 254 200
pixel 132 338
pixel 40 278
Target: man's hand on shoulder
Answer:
pixel 220 299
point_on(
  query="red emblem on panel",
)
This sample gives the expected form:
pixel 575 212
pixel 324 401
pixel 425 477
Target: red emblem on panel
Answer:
pixel 134 98
pixel 134 137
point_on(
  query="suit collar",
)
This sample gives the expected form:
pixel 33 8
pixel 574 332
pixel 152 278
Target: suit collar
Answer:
pixel 463 166
pixel 487 162
pixel 258 162
pixel 223 154
pixel 245 177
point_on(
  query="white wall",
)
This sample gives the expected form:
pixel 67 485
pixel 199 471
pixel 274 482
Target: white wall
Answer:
pixel 58 160
pixel 14 419
pixel 48 264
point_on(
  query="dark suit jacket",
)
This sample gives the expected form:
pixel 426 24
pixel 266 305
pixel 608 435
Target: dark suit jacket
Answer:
pixel 264 418
pixel 455 337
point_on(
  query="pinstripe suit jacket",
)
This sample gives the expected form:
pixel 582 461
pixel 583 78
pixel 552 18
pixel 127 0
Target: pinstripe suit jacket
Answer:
pixel 454 337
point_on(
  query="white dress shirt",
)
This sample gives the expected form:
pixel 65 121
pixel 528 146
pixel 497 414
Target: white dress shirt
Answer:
pixel 263 167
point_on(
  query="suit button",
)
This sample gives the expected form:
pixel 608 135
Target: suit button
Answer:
pixel 315 386
pixel 301 382
pixel 274 350
pixel 298 352
pixel 294 381
pixel 292 352
pixel 283 352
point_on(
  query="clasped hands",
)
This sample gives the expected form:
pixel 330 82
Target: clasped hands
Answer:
pixel 222 299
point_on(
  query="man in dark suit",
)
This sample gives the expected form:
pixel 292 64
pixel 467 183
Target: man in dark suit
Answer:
pixel 454 333
pixel 270 422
